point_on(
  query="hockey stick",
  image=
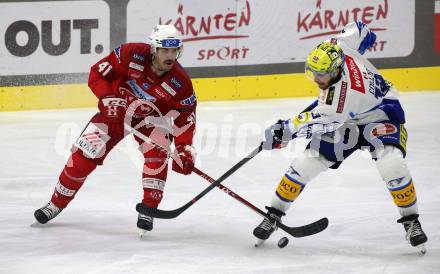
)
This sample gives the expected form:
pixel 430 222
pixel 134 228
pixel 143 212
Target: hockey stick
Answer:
pixel 300 231
pixel 169 214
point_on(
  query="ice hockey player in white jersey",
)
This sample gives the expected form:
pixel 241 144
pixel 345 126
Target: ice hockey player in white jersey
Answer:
pixel 356 109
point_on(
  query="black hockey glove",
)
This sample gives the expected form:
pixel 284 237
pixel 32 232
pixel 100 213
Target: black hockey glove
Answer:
pixel 277 136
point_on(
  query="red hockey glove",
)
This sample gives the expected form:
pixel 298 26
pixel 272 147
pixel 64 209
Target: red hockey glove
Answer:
pixel 184 163
pixel 113 110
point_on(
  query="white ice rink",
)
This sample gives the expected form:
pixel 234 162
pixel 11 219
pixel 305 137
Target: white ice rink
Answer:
pixel 97 233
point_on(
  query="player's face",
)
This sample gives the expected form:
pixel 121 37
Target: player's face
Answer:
pixel 322 80
pixel 165 58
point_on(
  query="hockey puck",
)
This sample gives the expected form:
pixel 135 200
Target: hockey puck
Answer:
pixel 283 242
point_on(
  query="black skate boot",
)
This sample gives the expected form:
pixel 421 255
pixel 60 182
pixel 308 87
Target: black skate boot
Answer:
pixel 144 223
pixel 414 232
pixel 268 225
pixel 47 213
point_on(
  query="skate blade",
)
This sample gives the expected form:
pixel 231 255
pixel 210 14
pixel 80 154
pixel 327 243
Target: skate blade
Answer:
pixel 36 224
pixel 422 249
pixel 142 233
pixel 259 242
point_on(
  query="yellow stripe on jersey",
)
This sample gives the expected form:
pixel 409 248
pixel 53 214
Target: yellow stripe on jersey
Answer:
pixel 403 136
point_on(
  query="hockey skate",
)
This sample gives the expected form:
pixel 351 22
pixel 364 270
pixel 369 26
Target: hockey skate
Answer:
pixel 144 223
pixel 46 213
pixel 414 233
pixel 263 231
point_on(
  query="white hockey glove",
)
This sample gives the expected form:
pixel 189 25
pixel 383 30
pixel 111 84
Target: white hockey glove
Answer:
pixel 277 136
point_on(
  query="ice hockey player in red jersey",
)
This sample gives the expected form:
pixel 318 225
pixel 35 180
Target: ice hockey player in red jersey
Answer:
pixel 356 109
pixel 141 86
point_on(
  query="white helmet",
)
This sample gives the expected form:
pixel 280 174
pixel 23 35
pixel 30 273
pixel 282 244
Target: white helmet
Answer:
pixel 165 36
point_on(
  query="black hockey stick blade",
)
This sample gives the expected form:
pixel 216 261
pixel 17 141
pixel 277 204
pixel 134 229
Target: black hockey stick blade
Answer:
pixel 161 214
pixel 305 230
pixel 170 214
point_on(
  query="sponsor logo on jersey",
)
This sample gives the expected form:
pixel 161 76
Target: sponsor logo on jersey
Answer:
pixel 371 82
pixel 330 95
pixel 292 172
pixel 169 89
pixel 365 75
pixel 383 129
pixel 64 190
pixel 342 96
pixel 191 118
pixel 145 109
pixel 138 57
pixel 153 184
pixel 176 83
pixel 356 80
pixel 118 54
pixel 139 92
pixel 135 66
pixel 134 73
pixel 146 86
pixel 189 101
pixel 123 91
pixel 92 141
pixel 159 92
pixel 395 183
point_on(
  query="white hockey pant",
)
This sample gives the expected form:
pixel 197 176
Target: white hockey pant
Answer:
pixel 301 171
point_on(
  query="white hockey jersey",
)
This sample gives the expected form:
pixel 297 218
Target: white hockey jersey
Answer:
pixel 361 96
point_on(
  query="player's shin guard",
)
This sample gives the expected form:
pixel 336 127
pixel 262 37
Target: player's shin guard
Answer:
pixel 300 172
pixel 72 178
pixel 153 181
pixel 395 173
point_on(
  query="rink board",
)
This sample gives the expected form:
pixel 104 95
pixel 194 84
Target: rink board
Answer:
pixel 208 89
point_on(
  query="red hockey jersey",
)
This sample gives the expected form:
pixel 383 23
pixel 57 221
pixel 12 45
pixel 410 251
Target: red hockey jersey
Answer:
pixel 126 72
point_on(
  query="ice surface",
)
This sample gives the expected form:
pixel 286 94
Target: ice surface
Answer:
pixel 97 232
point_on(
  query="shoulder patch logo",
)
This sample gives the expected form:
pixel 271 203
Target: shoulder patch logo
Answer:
pixel 176 83
pixel 189 101
pixel 138 57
